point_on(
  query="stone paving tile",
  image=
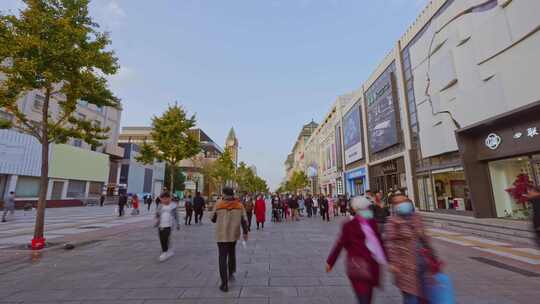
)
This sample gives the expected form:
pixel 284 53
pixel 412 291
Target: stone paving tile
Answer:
pixel 269 292
pixel 284 264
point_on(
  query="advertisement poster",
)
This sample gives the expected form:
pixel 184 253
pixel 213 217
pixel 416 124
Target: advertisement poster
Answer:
pixel 339 149
pixel 382 122
pixel 352 135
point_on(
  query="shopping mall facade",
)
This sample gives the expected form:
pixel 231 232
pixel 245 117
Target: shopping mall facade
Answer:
pixel 450 116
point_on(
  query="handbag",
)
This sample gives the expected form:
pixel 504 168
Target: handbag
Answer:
pixel 441 290
pixel 358 269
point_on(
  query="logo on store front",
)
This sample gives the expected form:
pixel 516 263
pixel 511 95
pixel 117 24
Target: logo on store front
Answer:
pixel 518 135
pixel 493 141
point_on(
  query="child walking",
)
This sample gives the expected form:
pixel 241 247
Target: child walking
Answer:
pixel 166 218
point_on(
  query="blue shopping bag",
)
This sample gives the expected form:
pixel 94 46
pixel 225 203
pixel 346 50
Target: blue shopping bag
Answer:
pixel 441 290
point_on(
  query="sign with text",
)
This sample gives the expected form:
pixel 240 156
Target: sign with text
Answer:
pixel 352 135
pixel 382 115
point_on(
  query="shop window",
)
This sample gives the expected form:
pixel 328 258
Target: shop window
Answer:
pixel 76 189
pixel 503 174
pixel 95 188
pixel 451 191
pixel 27 187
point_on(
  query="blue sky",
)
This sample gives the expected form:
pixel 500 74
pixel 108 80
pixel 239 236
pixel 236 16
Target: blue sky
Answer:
pixel 265 67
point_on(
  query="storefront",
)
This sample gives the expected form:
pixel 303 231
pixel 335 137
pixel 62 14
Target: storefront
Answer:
pixel 388 176
pixel 356 181
pixel 498 152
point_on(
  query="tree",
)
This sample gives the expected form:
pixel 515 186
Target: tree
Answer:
pixel 222 170
pixel 298 181
pixel 179 178
pixel 172 140
pixel 55 49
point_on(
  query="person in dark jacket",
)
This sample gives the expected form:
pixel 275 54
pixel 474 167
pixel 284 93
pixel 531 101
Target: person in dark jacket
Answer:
pixel 365 253
pixel 533 194
pixel 102 200
pixel 198 205
pixel 323 205
pixel 122 202
pixel 309 206
pixel 188 205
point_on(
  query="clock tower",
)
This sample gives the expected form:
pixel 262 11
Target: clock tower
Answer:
pixel 231 145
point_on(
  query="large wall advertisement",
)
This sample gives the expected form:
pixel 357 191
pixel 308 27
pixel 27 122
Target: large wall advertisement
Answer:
pixel 382 115
pixel 352 135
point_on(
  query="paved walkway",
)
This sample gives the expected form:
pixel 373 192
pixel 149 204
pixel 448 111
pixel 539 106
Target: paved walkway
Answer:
pixel 282 264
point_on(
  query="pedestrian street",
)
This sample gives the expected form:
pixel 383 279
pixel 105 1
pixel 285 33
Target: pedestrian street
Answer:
pixel 284 263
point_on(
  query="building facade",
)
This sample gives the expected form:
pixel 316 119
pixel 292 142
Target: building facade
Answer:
pixel 450 115
pixel 78 172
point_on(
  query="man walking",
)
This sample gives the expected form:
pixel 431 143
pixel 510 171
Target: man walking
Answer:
pixel 9 205
pixel 309 205
pixel 122 202
pixel 323 204
pixel 229 216
pixel 248 206
pixel 198 204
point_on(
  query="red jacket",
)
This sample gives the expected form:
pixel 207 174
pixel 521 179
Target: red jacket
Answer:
pixel 260 210
pixel 352 238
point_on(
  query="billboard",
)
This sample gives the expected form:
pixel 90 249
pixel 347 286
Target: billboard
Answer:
pixel 382 115
pixel 352 135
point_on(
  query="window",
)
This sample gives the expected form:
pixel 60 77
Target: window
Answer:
pixel 82 116
pixel 99 109
pixel 82 103
pixel 76 189
pixel 95 188
pixel 38 102
pixel 77 143
pixel 27 186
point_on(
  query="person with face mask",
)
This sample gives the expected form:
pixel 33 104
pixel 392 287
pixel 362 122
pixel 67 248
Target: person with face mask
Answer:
pixel 406 243
pixel 365 253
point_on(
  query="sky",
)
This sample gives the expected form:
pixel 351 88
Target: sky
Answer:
pixel 264 67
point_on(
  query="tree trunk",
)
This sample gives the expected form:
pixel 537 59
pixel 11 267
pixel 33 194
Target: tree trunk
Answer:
pixel 38 242
pixel 172 179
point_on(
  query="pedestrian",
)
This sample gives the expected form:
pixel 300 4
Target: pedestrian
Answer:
pixel 9 206
pixel 148 201
pixel 286 209
pixel 308 202
pixel 315 205
pixel 343 205
pixel 365 255
pixel 323 204
pixel 101 200
pixel 229 216
pixel 122 202
pixel 380 211
pixel 158 200
pixel 166 219
pixel 408 247
pixel 198 205
pixel 248 206
pixel 301 205
pixel 293 205
pixel 135 204
pixel 275 209
pixel 533 194
pixel 260 212
pixel 332 206
pixel 188 205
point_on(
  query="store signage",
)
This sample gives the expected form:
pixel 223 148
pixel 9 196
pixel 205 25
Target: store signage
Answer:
pixel 358 173
pixel 493 141
pixel 382 114
pixel 532 132
pixel 389 167
pixel 352 135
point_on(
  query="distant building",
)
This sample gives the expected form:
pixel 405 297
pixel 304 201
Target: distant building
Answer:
pixel 77 171
pixel 138 176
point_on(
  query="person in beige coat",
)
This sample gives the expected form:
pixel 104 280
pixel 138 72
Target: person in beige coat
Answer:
pixel 229 216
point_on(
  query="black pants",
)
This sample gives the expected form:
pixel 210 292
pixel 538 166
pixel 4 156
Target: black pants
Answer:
pixel 189 216
pixel 198 216
pixel 164 235
pixel 249 217
pixel 315 211
pixel 309 211
pixel 261 224
pixel 149 205
pixel 325 215
pixel 227 260
pixel 121 210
